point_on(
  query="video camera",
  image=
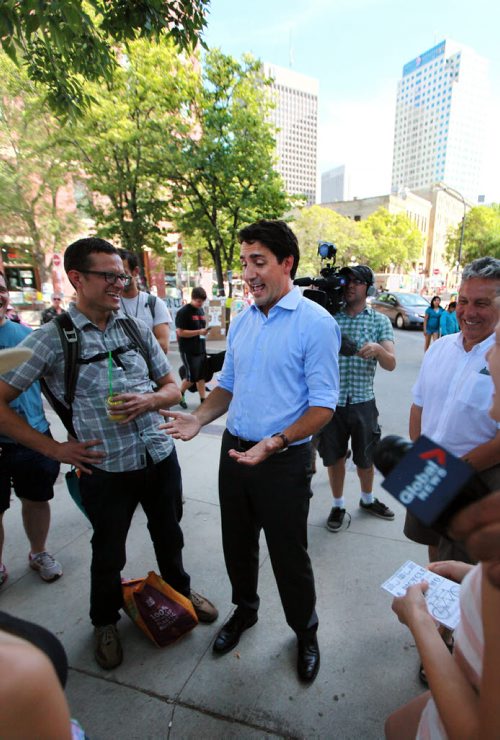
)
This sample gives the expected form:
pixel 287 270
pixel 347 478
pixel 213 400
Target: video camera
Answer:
pixel 329 288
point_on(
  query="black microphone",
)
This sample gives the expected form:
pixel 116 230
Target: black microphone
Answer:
pixel 428 480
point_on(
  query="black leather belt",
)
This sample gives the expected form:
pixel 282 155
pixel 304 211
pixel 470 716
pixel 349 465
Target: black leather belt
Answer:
pixel 242 445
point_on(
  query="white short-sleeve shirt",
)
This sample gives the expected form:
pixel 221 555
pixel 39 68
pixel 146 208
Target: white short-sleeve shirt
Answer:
pixel 455 390
pixel 139 309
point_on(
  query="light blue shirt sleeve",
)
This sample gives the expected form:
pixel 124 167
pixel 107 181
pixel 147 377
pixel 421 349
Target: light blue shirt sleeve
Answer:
pixel 278 366
pixel 321 363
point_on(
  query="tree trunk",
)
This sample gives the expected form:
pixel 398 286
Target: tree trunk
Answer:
pixel 219 272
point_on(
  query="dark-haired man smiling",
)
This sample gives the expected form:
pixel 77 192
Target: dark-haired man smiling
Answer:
pixel 279 385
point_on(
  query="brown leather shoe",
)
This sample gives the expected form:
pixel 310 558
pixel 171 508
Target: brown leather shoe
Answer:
pixel 205 610
pixel 108 648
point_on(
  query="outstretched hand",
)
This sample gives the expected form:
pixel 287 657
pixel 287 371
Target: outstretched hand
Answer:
pixel 256 454
pixel 181 425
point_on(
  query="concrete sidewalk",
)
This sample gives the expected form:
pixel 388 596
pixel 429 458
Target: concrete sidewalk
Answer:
pixel 369 661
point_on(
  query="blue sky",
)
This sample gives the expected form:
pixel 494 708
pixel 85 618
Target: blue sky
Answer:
pixel 357 48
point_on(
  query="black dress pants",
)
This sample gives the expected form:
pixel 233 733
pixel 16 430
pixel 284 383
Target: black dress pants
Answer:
pixel 110 500
pixel 273 496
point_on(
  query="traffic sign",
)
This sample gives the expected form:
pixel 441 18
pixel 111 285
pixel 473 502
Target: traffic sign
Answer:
pixel 179 250
pixel 56 260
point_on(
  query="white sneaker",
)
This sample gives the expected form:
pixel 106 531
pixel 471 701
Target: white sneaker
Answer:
pixel 48 568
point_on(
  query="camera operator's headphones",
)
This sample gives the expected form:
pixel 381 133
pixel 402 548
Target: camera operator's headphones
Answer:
pixel 364 273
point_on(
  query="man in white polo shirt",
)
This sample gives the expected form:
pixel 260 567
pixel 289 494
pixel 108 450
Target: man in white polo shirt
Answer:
pixel 454 391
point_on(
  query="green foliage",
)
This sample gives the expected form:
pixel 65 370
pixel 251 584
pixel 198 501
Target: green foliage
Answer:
pixel 397 241
pixel 63 42
pixel 318 223
pixel 164 148
pixel 33 172
pixel 481 235
pixel 121 143
pixel 379 241
pixel 221 175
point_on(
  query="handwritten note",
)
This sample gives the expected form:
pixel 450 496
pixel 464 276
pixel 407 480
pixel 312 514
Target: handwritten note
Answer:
pixel 442 596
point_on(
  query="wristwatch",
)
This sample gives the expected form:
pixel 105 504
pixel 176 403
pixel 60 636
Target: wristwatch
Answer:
pixel 284 439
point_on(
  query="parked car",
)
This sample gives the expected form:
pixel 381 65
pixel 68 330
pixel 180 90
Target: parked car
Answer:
pixel 403 309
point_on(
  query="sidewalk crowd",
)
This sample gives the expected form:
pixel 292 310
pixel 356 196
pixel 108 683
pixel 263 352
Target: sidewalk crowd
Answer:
pixel 295 380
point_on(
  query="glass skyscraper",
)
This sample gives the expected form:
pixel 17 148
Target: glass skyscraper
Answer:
pixel 441 118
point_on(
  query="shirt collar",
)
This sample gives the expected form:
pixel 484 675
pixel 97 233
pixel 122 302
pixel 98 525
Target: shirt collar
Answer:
pixel 81 321
pixel 290 301
pixel 477 348
pixel 366 310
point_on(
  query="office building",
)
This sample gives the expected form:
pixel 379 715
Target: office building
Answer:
pixel 441 117
pixel 335 185
pixel 434 211
pixel 296 117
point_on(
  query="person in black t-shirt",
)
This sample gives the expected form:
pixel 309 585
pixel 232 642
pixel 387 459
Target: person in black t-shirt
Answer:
pixel 191 332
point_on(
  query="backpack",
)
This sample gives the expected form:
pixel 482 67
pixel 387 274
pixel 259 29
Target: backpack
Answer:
pixel 70 341
pixel 151 303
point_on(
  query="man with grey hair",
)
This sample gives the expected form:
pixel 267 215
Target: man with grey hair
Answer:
pixel 54 310
pixel 450 404
pixel 452 397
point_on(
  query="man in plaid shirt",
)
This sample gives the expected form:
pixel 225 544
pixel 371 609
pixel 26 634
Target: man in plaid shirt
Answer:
pixel 125 460
pixel 356 415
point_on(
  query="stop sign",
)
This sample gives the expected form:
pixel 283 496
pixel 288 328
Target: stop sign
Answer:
pixel 179 250
pixel 56 260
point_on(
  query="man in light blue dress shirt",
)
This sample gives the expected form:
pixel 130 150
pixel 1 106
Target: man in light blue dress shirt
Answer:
pixel 279 385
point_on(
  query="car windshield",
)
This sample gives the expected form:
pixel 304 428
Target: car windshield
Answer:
pixel 411 299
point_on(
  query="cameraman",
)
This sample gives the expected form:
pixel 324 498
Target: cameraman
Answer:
pixel 356 416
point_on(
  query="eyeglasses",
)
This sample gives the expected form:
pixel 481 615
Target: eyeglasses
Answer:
pixel 110 277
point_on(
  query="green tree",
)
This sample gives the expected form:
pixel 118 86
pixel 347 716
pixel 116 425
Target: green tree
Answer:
pixel 33 172
pixel 397 241
pixel 318 223
pixel 222 177
pixel 121 143
pixel 63 42
pixel 481 235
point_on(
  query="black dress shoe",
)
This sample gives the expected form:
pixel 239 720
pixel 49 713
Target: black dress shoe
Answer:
pixel 230 633
pixel 308 658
